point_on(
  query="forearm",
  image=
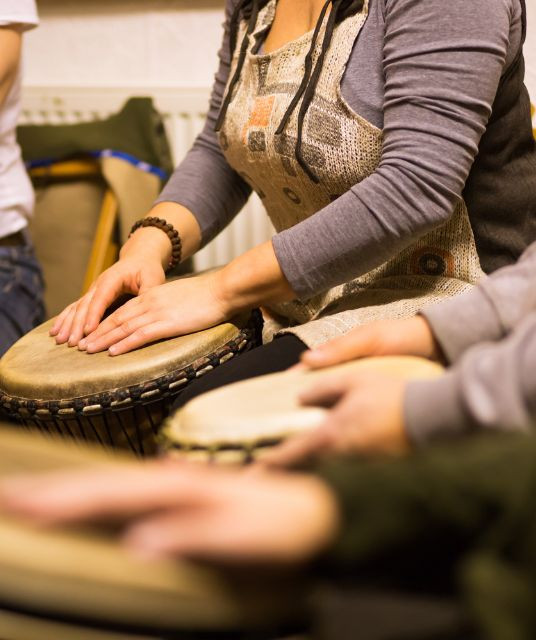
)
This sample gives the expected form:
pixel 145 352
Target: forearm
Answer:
pixel 254 279
pixel 438 99
pixel 487 313
pixel 493 388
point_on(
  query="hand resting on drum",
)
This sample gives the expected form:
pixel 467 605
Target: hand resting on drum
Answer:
pixel 167 310
pixel 134 273
pixel 198 512
pixel 366 417
pixel 367 410
pixel 409 336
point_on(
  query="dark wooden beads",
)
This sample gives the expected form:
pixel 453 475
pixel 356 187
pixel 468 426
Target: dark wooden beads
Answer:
pixel 169 230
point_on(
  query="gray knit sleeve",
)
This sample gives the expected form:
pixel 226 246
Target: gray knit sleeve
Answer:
pixel 493 388
pixel 442 63
pixel 488 312
pixel 204 182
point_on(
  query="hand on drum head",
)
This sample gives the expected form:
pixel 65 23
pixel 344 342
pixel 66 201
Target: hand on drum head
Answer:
pixel 410 336
pixel 366 417
pixel 176 308
pixel 127 276
pixel 188 511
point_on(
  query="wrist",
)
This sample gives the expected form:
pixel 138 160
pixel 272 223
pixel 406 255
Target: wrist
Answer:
pixel 147 244
pixel 423 336
pixel 253 279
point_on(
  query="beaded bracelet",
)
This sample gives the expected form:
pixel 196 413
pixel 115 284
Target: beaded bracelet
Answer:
pixel 169 230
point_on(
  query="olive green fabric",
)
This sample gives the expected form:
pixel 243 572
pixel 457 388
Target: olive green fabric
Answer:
pixel 458 519
pixel 137 130
pixel 67 210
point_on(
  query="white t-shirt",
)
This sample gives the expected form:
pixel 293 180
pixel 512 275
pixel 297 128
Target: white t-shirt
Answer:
pixel 16 193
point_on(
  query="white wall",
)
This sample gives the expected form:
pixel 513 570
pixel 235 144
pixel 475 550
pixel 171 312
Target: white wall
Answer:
pixel 124 43
pixel 144 43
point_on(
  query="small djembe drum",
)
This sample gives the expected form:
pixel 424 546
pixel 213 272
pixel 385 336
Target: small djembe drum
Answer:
pixel 236 423
pixel 75 585
pixel 117 402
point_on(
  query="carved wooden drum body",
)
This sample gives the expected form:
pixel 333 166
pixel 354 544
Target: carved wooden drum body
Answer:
pixel 237 422
pixel 117 402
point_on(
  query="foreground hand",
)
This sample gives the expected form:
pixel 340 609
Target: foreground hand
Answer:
pixel 181 510
pixel 410 336
pixel 172 309
pixel 366 418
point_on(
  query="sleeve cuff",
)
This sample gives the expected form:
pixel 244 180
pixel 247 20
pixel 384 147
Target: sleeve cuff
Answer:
pixel 433 410
pixel 462 321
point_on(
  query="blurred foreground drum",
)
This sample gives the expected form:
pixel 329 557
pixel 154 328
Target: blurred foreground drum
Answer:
pixel 237 422
pixel 81 585
pixel 118 402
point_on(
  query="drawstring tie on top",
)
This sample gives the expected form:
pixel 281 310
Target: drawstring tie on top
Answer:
pixel 249 9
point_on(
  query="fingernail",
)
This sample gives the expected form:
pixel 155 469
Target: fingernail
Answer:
pixel 72 341
pixel 82 344
pixel 112 351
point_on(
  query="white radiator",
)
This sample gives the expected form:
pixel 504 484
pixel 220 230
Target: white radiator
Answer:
pixel 184 115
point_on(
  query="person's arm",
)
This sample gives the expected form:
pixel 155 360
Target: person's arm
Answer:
pixel 442 65
pixel 10 50
pixel 488 312
pixel 492 388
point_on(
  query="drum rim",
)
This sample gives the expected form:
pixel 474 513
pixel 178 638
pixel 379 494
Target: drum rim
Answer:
pixel 123 398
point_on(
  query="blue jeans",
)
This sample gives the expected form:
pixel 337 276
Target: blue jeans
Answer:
pixel 21 294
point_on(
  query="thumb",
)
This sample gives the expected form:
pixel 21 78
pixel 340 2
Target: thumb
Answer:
pixel 355 344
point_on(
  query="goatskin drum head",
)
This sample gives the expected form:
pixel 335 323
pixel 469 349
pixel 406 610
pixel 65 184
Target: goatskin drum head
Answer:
pixel 266 410
pixel 37 368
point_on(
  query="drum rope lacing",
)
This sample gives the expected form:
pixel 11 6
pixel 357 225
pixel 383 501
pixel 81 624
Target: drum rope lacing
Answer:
pixel 56 413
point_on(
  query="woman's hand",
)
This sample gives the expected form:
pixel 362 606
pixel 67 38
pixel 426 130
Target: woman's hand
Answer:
pixel 172 309
pixel 181 510
pixel 410 336
pixel 139 269
pixel 366 417
pixel 142 264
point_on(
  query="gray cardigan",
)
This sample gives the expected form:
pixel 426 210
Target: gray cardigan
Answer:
pixel 489 335
pixel 428 74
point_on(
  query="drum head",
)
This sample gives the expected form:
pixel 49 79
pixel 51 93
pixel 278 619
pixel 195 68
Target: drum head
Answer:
pixel 37 368
pixel 266 410
pixel 86 575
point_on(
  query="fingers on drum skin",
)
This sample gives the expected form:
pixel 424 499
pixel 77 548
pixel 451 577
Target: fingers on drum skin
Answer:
pixel 327 393
pixel 143 336
pixel 107 290
pixel 339 350
pixel 65 331
pixel 79 320
pixel 58 324
pixel 119 333
pixel 129 311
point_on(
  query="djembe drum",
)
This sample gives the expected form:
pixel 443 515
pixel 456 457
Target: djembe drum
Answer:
pixel 67 585
pixel 236 423
pixel 117 402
